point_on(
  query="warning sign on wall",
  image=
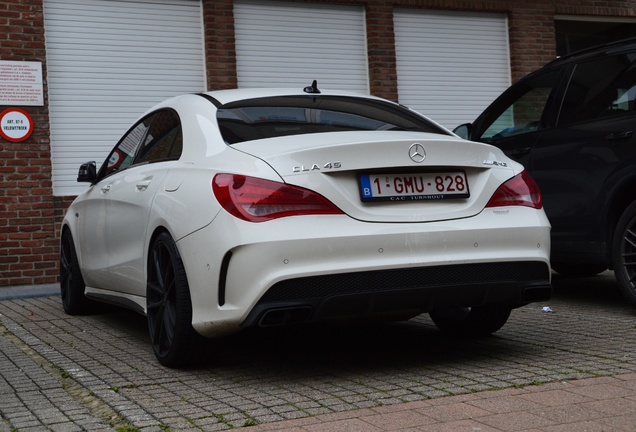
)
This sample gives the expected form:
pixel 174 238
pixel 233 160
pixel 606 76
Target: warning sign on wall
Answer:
pixel 21 83
pixel 16 125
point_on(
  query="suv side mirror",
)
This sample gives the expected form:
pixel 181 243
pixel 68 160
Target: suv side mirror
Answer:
pixel 87 172
pixel 463 130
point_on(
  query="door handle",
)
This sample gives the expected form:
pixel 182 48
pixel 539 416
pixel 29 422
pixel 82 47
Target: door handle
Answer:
pixel 143 185
pixel 522 151
pixel 106 189
pixel 619 136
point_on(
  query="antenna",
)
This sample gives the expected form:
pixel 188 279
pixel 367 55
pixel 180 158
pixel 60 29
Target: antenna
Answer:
pixel 313 88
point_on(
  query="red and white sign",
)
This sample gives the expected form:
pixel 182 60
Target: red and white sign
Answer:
pixel 16 125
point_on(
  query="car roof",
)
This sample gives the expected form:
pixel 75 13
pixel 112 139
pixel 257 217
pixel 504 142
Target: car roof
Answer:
pixel 607 48
pixel 222 97
pixel 219 98
pixel 233 95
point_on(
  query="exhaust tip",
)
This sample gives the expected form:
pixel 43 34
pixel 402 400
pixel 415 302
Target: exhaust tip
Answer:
pixel 536 294
pixel 283 316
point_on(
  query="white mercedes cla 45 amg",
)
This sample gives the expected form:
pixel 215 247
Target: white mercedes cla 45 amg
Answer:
pixel 263 207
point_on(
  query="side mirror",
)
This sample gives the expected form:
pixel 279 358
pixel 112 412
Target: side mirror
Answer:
pixel 87 172
pixel 463 130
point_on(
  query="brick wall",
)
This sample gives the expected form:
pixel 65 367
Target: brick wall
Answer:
pixel 220 54
pixel 30 215
pixel 28 245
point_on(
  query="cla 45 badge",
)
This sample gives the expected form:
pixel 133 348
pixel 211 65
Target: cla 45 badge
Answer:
pixel 316 167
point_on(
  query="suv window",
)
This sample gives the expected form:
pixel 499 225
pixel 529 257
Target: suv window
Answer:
pixel 521 111
pixel 600 89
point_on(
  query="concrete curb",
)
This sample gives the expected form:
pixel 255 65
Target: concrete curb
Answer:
pixel 28 291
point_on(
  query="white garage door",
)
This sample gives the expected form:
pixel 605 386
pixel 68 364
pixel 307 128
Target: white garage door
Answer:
pixel 109 61
pixel 285 44
pixel 451 65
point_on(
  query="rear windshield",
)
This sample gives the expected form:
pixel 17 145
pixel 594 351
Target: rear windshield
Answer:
pixel 271 117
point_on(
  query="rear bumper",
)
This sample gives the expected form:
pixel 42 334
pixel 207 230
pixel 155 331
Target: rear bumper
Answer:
pixel 334 266
pixel 401 292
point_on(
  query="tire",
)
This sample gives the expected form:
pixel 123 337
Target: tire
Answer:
pixel 578 270
pixel 624 253
pixel 466 322
pixel 168 305
pixel 72 284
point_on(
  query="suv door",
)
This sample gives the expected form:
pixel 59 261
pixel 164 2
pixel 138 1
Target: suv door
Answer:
pixel 575 162
pixel 516 121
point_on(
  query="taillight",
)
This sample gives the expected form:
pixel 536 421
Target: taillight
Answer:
pixel 258 200
pixel 521 190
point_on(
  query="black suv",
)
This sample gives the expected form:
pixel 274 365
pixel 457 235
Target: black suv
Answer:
pixel 572 124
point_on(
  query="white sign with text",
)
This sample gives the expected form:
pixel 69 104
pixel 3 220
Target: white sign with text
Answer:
pixel 21 83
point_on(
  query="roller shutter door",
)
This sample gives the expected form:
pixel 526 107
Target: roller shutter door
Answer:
pixel 451 65
pixel 285 44
pixel 109 61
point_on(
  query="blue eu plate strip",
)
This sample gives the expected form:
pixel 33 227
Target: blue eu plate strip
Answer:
pixel 365 186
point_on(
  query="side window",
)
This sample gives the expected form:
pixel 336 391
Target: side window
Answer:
pixel 122 156
pixel 600 89
pixel 164 140
pixel 521 109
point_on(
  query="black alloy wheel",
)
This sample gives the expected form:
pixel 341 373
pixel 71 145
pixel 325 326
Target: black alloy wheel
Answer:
pixel 168 304
pixel 624 253
pixel 72 284
pixel 466 322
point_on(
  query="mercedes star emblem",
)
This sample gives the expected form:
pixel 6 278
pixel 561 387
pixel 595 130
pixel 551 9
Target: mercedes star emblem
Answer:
pixel 417 153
